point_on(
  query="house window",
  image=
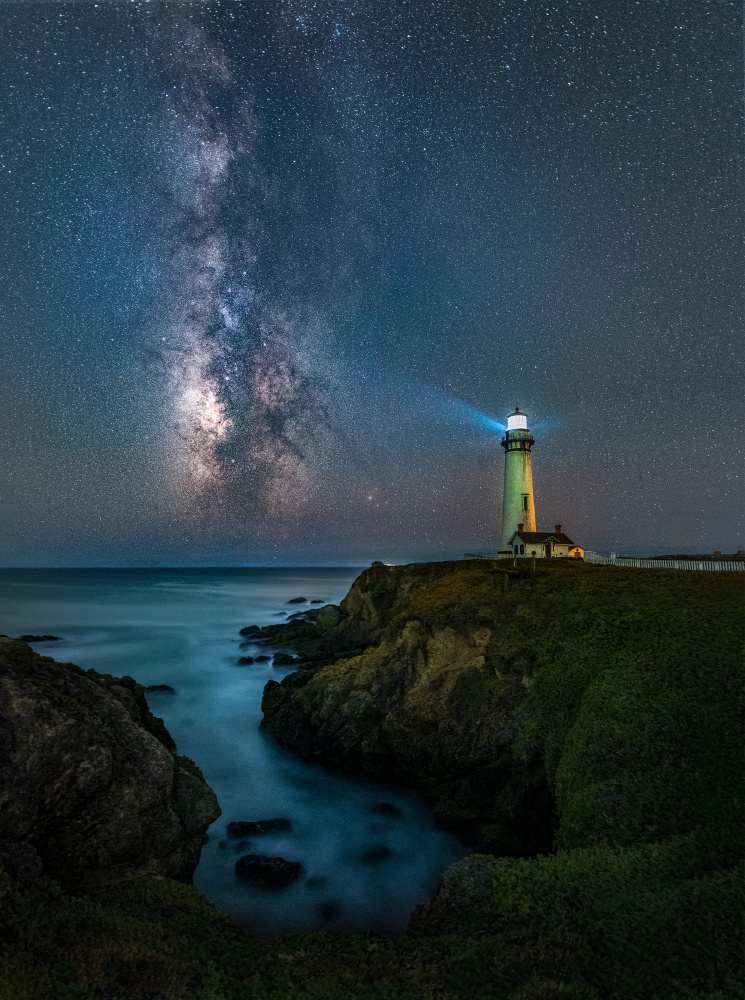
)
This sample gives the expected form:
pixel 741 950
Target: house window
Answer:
pixel 525 501
pixel 522 550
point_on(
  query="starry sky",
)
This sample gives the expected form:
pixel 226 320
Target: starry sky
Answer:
pixel 272 276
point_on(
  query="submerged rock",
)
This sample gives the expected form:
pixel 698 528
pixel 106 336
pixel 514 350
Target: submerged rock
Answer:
pixel 267 872
pixel 385 809
pixel 375 856
pixel 39 638
pixel 160 689
pixel 90 791
pixel 257 828
pixel 245 661
pixel 297 600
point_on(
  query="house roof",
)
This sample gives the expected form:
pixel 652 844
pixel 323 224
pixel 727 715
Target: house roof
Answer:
pixel 536 537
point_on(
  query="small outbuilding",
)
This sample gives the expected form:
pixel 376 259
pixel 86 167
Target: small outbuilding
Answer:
pixel 544 544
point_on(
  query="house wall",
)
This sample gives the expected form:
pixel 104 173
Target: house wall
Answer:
pixel 558 551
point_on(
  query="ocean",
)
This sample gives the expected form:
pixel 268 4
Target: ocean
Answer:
pixel 180 627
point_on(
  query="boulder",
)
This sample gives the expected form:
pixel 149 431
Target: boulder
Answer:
pixel 297 600
pixel 160 689
pixel 244 661
pixel 90 791
pixel 461 886
pixel 283 660
pixel 250 630
pixel 328 617
pixel 267 872
pixel 262 659
pixel 256 828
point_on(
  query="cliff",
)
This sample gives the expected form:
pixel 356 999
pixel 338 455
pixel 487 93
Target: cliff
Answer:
pixel 586 719
pixel 90 790
pixel 431 700
pixel 504 707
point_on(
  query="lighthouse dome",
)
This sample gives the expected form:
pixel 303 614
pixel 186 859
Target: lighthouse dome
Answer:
pixel 517 421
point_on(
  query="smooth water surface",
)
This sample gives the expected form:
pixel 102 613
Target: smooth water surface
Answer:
pixel 180 627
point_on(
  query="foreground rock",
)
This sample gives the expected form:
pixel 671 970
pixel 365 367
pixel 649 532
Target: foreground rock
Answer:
pixel 90 789
pixel 461 887
pixel 267 872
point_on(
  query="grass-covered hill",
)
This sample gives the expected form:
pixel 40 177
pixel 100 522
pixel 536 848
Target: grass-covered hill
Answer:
pixel 586 725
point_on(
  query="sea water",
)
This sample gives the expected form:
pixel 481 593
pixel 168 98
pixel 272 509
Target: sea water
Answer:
pixel 180 627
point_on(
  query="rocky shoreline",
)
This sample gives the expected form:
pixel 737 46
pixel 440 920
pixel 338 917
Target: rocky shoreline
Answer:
pixel 585 725
pixel 395 696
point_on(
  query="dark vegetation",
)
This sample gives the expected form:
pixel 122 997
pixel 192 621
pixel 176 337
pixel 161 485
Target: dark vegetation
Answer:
pixel 624 687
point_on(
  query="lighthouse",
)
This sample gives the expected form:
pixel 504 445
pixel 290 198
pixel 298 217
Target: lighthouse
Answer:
pixel 517 502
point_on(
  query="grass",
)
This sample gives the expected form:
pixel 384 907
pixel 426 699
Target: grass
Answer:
pixel 627 686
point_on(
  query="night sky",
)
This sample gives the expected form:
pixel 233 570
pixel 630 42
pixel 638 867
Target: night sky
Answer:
pixel 273 275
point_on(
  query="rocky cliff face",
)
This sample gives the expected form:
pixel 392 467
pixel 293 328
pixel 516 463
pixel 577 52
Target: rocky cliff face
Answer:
pixel 427 695
pixel 90 790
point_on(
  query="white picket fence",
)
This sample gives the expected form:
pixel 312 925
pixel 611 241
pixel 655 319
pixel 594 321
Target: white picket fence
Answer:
pixel 707 565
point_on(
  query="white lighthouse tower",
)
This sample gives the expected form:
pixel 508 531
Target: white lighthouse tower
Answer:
pixel 517 503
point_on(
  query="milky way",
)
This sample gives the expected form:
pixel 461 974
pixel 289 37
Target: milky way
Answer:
pixel 272 276
pixel 245 408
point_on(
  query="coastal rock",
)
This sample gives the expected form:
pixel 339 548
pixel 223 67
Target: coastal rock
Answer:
pixel 256 828
pixel 39 638
pixel 460 888
pixel 297 600
pixel 245 661
pixel 283 660
pixel 267 872
pixel 160 689
pixel 89 784
pixel 414 685
pixel 328 617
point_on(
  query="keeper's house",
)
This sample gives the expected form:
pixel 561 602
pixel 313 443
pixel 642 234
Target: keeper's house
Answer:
pixel 544 544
